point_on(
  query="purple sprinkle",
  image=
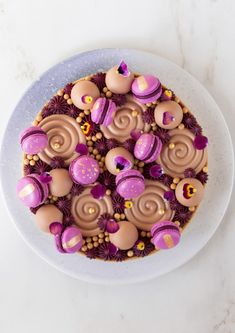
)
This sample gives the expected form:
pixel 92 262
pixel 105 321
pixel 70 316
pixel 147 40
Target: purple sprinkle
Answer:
pixel 98 191
pixel 56 228
pixel 45 178
pixel 200 142
pixel 112 226
pixel 169 195
pixel 81 149
pixel 112 249
pixel 155 171
pixel 135 134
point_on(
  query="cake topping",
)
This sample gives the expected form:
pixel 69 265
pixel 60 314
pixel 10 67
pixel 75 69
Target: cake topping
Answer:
pixel 189 192
pixel 83 94
pixel 150 207
pixel 64 134
pixel 119 79
pixel 71 239
pixel 168 115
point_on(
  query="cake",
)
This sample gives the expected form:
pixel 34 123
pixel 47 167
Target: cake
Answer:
pixel 114 166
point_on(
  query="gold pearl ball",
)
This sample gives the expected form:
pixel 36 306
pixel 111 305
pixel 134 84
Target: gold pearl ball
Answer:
pixel 117 216
pixel 100 241
pixel 78 119
pixel 90 246
pixel 66 96
pixel 123 216
pixel 176 180
pixel 108 192
pixel 90 143
pixel 91 210
pixel 192 209
pixel 172 145
pixel 60 92
pixel 101 235
pixel 141 164
pixel 105 89
pixel 95 238
pixel 106 239
pixel 109 94
pixel 130 253
pixel 29 157
pixel 143 233
pixel 35 123
pixel 177 223
pixel 205 169
pixel 95 151
pixel 87 112
pixel 148 234
pixel 181 126
pixel 69 101
pixel 185 110
pixel 98 135
pixel 96 244
pixel 35 158
pixel 32 162
pixel 173 186
pixel 88 239
pixel 26 161
pixel 94 138
pixel 84 248
pixel 98 157
pixel 90 149
pixel 161 211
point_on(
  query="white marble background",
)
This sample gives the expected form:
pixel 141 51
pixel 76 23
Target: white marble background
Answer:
pixel 199 36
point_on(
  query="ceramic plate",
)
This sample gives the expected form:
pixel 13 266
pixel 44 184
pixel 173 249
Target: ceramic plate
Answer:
pixel 218 190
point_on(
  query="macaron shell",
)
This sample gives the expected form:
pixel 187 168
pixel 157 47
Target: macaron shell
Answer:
pixel 71 239
pixel 33 140
pixel 130 184
pixel 61 182
pixel 146 85
pixel 144 146
pixel 47 214
pixel 84 170
pixel 166 239
pixel 169 112
pixel 98 109
pixel 118 83
pixel 84 88
pixel 196 198
pixel 111 158
pixel 125 237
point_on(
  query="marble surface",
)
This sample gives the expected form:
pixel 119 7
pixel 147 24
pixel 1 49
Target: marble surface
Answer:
pixel 197 35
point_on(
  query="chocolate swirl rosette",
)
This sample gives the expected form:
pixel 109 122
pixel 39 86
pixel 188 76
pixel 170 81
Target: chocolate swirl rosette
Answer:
pixel 86 211
pixel 127 118
pixel 64 134
pixel 180 154
pixel 150 207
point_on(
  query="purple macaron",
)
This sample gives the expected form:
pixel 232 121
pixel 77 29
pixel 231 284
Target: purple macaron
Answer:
pixel 33 140
pixel 146 89
pixel 103 111
pixel 165 235
pixel 147 148
pixel 84 170
pixel 32 191
pixel 130 184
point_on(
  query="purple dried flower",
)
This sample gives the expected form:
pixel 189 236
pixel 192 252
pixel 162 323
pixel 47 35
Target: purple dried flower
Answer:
pixel 189 120
pixel 57 162
pixel 120 255
pixel 119 99
pixel 148 116
pixel 92 253
pixel 76 189
pixel 107 251
pixel 46 112
pixel 202 177
pixel 68 220
pixel 58 105
pixel 197 130
pixel 73 111
pixel 189 173
pixel 200 142
pixel 41 167
pixel 108 180
pixel 155 171
pixel 143 247
pixel 169 195
pixel 129 145
pixel 98 191
pixel 163 135
pixel 103 220
pixel 68 88
pixel 45 178
pixel 118 203
pixel 64 205
pixel 99 80
pixel 175 205
pixel 112 143
pixel 101 146
pixel 81 149
pixel 166 179
pixel 183 215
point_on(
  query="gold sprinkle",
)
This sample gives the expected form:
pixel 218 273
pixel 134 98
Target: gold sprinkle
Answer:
pixel 60 92
pixel 29 157
pixel 101 235
pixel 98 135
pixel 90 246
pixel 108 192
pixel 134 113
pixel 78 119
pixel 123 216
pixel 87 112
pixel 205 169
pixel 94 138
pixel 161 211
pixel 32 162
pixel 181 126
pixel 192 209
pixel 56 145
pixel 148 234
pixel 105 89
pixel 109 94
pixel 91 210
pixel 171 145
pixel 117 216
pixel 176 180
pixel 69 101
pixel 143 233
pixel 106 239
pixel 35 158
pixel 95 238
pixel 101 241
pixel 185 110
pixel 177 223
pixel 141 164
pixel 26 161
pixel 88 239
pixel 96 244
pixel 173 186
pixel 130 253
pixel 84 248
pixel 66 96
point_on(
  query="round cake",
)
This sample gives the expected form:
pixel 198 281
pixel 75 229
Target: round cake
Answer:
pixel 114 166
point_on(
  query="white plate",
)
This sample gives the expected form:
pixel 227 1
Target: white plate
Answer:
pixel 218 191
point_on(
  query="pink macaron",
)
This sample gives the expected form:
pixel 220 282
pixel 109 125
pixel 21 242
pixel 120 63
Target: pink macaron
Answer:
pixel 84 170
pixel 165 235
pixel 148 147
pixel 130 184
pixel 33 140
pixel 146 89
pixel 103 111
pixel 32 191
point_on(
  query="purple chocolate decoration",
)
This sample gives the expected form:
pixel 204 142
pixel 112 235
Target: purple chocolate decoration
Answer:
pixel 33 140
pixel 130 184
pixel 112 226
pixel 56 228
pixel 123 69
pixel 200 142
pixel 98 191
pixel 84 170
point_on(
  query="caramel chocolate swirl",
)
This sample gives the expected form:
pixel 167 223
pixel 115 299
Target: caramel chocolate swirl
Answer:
pixel 128 117
pixel 150 207
pixel 180 154
pixel 86 211
pixel 64 134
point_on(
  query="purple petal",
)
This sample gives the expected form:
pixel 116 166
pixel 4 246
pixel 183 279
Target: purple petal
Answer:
pixel 112 226
pixel 122 163
pixel 123 69
pixel 135 134
pixel 167 118
pixel 112 249
pixel 200 142
pixel 45 178
pixel 169 195
pixel 81 149
pixel 98 191
pixel 155 171
pixel 55 228
pixel 58 244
